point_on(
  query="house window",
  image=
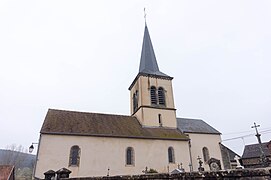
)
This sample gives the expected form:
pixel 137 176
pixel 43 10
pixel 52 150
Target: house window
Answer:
pixel 130 156
pixel 74 156
pixel 135 101
pixel 205 153
pixel 153 95
pixel 171 158
pixel 161 96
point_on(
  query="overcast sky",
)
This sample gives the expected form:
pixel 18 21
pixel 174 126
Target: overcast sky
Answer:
pixel 83 55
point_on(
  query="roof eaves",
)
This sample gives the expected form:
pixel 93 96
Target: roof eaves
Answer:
pixel 148 75
pixel 195 132
pixel 114 136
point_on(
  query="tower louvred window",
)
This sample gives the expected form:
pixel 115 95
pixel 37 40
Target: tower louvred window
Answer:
pixel 161 96
pixel 153 95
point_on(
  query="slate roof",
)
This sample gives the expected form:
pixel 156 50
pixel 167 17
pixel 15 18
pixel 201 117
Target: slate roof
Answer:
pixel 231 153
pixel 104 125
pixel 195 126
pixel 253 151
pixel 148 63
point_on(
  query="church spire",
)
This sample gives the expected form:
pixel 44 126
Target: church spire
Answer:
pixel 151 93
pixel 148 63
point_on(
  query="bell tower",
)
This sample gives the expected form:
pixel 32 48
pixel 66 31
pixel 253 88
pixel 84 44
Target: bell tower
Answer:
pixel 151 94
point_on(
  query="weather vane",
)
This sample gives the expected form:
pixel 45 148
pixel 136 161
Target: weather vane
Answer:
pixel 145 15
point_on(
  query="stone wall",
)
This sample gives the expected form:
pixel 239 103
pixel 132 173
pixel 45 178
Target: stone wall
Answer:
pixel 242 174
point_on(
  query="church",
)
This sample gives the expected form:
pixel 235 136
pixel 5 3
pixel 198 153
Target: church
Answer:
pixel 152 137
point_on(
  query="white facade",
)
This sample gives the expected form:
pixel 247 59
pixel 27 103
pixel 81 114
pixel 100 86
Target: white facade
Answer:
pixel 100 153
pixel 209 141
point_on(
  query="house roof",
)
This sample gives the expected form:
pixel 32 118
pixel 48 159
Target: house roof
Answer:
pixel 104 125
pixel 253 151
pixel 6 171
pixel 195 126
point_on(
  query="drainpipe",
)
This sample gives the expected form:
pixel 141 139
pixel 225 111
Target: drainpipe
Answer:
pixel 190 156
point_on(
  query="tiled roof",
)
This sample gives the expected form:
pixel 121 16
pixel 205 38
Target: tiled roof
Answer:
pixel 253 150
pixel 106 125
pixel 6 171
pixel 195 126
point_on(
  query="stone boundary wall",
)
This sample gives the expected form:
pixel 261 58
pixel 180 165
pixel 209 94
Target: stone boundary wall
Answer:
pixel 242 174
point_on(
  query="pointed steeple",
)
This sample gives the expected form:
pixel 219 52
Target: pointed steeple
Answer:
pixel 148 63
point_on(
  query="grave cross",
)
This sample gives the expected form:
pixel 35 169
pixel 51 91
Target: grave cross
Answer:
pixel 263 158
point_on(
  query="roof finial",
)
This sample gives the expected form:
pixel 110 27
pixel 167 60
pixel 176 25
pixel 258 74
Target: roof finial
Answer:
pixel 145 16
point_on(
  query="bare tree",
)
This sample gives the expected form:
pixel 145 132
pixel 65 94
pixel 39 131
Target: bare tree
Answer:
pixel 14 155
pixel 18 157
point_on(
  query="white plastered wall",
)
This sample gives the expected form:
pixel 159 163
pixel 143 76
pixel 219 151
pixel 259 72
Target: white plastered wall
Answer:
pixel 100 153
pixel 211 141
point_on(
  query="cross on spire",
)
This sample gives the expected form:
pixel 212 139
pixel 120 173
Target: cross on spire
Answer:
pixel 145 16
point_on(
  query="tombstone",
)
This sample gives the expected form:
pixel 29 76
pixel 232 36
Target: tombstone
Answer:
pixel 49 175
pixel 63 173
pixel 177 171
pixel 180 167
pixel 214 164
pixel 236 158
pixel 200 164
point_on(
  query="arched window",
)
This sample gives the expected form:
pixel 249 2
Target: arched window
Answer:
pixel 171 158
pixel 135 101
pixel 205 153
pixel 130 156
pixel 153 95
pixel 161 96
pixel 74 156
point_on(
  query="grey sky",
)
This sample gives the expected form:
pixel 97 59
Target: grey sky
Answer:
pixel 83 55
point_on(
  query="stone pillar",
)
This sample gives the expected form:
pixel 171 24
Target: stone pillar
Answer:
pixel 63 173
pixel 49 175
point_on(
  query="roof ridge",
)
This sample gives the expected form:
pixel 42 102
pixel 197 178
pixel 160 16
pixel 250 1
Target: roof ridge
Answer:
pixel 256 144
pixel 190 118
pixel 84 112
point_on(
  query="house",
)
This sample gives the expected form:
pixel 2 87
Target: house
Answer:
pixel 7 172
pixel 251 157
pixel 97 144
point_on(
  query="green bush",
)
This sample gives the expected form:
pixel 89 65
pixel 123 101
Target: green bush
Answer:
pixel 152 171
